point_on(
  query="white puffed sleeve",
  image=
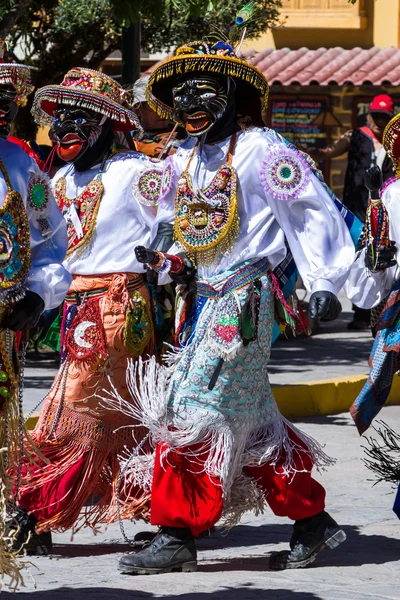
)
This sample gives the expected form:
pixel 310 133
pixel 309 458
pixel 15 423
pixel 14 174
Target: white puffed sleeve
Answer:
pixel 165 206
pixel 49 241
pixel 317 234
pixel 366 289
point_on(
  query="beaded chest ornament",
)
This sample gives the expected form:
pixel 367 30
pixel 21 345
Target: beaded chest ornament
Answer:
pixel 85 207
pixel 207 221
pixel 14 244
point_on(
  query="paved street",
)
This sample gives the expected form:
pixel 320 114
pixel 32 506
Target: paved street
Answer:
pixel 366 567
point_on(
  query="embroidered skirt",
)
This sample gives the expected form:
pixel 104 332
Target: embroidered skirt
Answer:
pixel 216 392
pixel 107 323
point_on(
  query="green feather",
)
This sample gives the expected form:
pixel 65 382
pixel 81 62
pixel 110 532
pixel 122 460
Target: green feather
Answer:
pixel 245 13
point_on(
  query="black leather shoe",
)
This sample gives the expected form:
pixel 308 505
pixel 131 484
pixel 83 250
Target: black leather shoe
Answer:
pixel 310 536
pixel 21 526
pixel 173 549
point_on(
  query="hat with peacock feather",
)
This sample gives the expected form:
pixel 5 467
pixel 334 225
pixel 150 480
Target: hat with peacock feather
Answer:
pixel 221 57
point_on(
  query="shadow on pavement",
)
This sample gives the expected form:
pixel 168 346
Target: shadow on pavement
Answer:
pixel 358 549
pixel 302 351
pixel 243 592
pixel 328 420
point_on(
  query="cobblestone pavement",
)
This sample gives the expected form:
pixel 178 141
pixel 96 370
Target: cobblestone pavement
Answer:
pixel 235 567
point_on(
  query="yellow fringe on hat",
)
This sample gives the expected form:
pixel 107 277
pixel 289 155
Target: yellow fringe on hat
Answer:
pixel 185 63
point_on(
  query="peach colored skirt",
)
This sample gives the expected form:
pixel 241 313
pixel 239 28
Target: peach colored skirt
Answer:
pixel 107 322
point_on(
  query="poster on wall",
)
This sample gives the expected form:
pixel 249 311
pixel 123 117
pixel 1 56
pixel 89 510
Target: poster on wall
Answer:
pixel 361 107
pixel 295 120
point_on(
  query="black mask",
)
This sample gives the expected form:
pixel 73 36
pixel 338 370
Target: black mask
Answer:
pixel 8 109
pixel 199 101
pixel 210 102
pixel 81 136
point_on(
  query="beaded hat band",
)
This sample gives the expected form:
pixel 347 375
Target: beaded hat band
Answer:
pixel 19 76
pixel 87 88
pixel 218 58
pixel 391 142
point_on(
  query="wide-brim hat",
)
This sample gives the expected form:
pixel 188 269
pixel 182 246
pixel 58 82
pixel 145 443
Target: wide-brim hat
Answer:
pixel 87 88
pixel 19 76
pixel 217 58
pixel 391 139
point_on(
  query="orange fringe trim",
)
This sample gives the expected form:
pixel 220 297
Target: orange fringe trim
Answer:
pixel 80 436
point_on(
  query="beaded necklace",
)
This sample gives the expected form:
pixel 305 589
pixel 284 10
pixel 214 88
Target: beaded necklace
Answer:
pixel 207 220
pixel 85 207
pixel 15 252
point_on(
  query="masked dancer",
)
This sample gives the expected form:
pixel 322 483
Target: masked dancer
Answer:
pixel 240 197
pixel 108 202
pixel 374 283
pixel 33 243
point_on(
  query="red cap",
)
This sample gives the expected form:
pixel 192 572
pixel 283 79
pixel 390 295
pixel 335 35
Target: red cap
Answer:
pixel 383 104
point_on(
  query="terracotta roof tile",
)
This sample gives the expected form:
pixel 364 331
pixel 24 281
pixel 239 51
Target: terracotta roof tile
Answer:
pixel 328 66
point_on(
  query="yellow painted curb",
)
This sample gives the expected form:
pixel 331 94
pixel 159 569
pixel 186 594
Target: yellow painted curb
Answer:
pixel 325 397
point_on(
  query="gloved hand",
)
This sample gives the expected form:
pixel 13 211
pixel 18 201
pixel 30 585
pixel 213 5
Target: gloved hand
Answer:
pixel 382 259
pixel 188 273
pixel 324 305
pixel 373 181
pixel 144 255
pixel 25 313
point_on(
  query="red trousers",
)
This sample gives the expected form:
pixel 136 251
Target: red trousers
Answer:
pixel 183 495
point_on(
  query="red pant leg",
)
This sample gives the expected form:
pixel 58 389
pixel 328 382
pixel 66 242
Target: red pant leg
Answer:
pixel 183 495
pixel 297 495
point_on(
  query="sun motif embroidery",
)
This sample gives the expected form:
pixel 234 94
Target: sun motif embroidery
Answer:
pixel 38 193
pixel 146 186
pixel 284 174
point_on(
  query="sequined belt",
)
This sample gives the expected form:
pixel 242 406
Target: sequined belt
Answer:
pixel 77 297
pixel 239 280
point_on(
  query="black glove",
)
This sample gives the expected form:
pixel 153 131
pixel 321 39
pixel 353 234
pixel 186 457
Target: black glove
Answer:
pixel 373 181
pixel 381 259
pixel 324 305
pixel 25 313
pixel 144 255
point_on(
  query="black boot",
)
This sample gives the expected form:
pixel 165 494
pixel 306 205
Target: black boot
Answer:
pixel 173 549
pixel 144 538
pixel 310 536
pixel 26 539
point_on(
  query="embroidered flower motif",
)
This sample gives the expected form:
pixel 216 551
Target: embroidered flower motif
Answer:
pixel 167 179
pixel 284 174
pixel 146 186
pixel 38 194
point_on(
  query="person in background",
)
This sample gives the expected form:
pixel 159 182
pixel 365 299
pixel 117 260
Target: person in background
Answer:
pixel 159 138
pixel 365 149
